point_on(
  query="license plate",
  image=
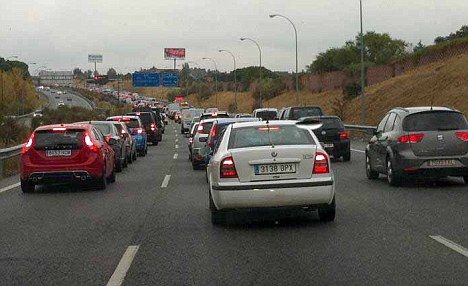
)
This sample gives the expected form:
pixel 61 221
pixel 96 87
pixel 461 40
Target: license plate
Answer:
pixel 327 145
pixel 270 169
pixel 58 153
pixel 442 163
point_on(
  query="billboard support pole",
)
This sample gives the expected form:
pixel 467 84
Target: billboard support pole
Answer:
pixel 95 69
pixel 175 64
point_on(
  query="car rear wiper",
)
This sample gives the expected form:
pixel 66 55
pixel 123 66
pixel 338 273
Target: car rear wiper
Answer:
pixel 447 129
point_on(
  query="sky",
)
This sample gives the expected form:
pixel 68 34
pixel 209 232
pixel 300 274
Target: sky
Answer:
pixel 130 34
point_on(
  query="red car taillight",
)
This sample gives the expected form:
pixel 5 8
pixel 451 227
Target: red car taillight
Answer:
pixel 89 143
pixel 411 138
pixel 462 135
pixel 344 135
pixel 213 134
pixel 227 168
pixel 200 129
pixel 153 126
pixel 321 164
pixel 28 144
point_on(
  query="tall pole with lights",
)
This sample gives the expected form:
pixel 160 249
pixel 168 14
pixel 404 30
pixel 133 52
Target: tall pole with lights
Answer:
pixel 216 78
pixel 235 76
pixel 260 66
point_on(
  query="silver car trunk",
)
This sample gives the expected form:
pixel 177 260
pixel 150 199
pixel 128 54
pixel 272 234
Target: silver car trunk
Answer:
pixel 248 159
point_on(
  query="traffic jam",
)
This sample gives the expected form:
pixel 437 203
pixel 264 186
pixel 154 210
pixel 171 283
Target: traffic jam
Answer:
pixel 266 161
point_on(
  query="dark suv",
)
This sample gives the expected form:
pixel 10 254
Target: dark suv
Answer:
pixel 150 125
pixel 294 113
pixel 333 137
pixel 429 142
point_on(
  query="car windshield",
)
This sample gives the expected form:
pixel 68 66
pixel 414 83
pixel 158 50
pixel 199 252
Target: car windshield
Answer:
pixel 435 121
pixel 131 122
pixel 60 139
pixel 299 112
pixel 104 128
pixel 145 117
pixel 267 114
pixel 269 135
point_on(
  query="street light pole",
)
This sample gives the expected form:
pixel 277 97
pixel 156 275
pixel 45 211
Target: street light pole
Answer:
pixel 216 78
pixel 260 66
pixel 295 34
pixel 235 76
pixel 363 99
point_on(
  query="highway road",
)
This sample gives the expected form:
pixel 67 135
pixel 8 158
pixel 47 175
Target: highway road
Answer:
pixel 152 227
pixel 69 99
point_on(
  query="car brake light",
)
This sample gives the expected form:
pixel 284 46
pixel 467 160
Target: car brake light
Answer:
pixel 463 135
pixel 228 168
pixel 411 138
pixel 344 135
pixel 90 143
pixel 139 130
pixel 28 144
pixel 153 126
pixel 321 164
pixel 213 134
pixel 59 129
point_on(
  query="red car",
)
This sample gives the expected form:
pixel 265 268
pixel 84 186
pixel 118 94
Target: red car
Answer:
pixel 67 153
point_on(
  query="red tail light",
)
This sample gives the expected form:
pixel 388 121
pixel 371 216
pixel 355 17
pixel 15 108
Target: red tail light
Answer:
pixel 321 164
pixel 463 135
pixel 213 134
pixel 89 143
pixel 411 138
pixel 153 126
pixel 140 130
pixel 228 168
pixel 201 129
pixel 344 135
pixel 28 144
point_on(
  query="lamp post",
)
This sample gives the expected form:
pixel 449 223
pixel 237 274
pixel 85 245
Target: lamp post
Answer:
pixel 260 66
pixel 235 76
pixel 216 78
pixel 363 97
pixel 295 34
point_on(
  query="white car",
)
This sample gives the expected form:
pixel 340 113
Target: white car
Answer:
pixel 261 165
pixel 61 103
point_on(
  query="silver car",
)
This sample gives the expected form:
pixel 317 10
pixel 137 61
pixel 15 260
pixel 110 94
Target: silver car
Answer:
pixel 199 140
pixel 269 166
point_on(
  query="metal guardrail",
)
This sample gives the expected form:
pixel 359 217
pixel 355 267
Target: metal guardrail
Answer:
pixel 365 128
pixel 7 153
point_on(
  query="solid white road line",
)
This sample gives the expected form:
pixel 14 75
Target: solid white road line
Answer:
pixel 120 272
pixel 359 151
pixel 176 146
pixel 176 155
pixel 5 189
pixel 450 244
pixel 166 181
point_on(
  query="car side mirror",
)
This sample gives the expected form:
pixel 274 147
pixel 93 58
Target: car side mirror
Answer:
pixel 203 139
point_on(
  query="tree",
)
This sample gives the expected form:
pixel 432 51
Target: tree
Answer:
pixel 419 47
pixel 111 73
pixel 461 33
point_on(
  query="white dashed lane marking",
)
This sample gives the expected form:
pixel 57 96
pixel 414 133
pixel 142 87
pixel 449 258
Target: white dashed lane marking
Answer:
pixel 176 155
pixel 166 181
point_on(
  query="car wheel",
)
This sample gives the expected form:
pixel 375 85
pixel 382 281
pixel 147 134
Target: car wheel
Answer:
pixel 393 178
pixel 27 187
pixel 327 214
pixel 465 178
pixel 126 161
pixel 111 178
pixel 135 156
pixel 371 174
pixel 217 217
pixel 347 157
pixel 118 166
pixel 102 182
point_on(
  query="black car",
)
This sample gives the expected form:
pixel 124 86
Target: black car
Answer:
pixel 333 137
pixel 424 142
pixel 294 113
pixel 150 125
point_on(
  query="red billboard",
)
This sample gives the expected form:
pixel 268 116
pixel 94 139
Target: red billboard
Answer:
pixel 179 98
pixel 174 53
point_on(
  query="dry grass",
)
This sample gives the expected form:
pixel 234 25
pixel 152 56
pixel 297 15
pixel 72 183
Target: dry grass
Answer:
pixel 445 83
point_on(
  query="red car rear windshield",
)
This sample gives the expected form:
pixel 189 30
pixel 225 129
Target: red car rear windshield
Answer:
pixel 58 140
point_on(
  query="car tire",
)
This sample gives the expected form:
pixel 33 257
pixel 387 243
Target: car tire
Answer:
pixel 465 178
pixel 347 157
pixel 126 161
pixel 118 166
pixel 27 187
pixel 111 178
pixel 327 214
pixel 101 183
pixel 393 178
pixel 217 217
pixel 371 174
pixel 135 156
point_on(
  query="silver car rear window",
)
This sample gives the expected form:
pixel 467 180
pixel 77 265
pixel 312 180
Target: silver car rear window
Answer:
pixel 256 136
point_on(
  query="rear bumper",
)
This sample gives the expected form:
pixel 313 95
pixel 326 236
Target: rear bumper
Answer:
pixel 140 142
pixel 60 177
pixel 299 194
pixel 409 164
pixel 340 148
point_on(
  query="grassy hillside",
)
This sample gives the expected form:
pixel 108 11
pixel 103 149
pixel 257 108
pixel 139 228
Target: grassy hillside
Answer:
pixel 444 83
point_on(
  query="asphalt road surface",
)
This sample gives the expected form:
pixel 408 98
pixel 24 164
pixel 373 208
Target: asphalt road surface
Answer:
pixel 152 227
pixel 69 99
